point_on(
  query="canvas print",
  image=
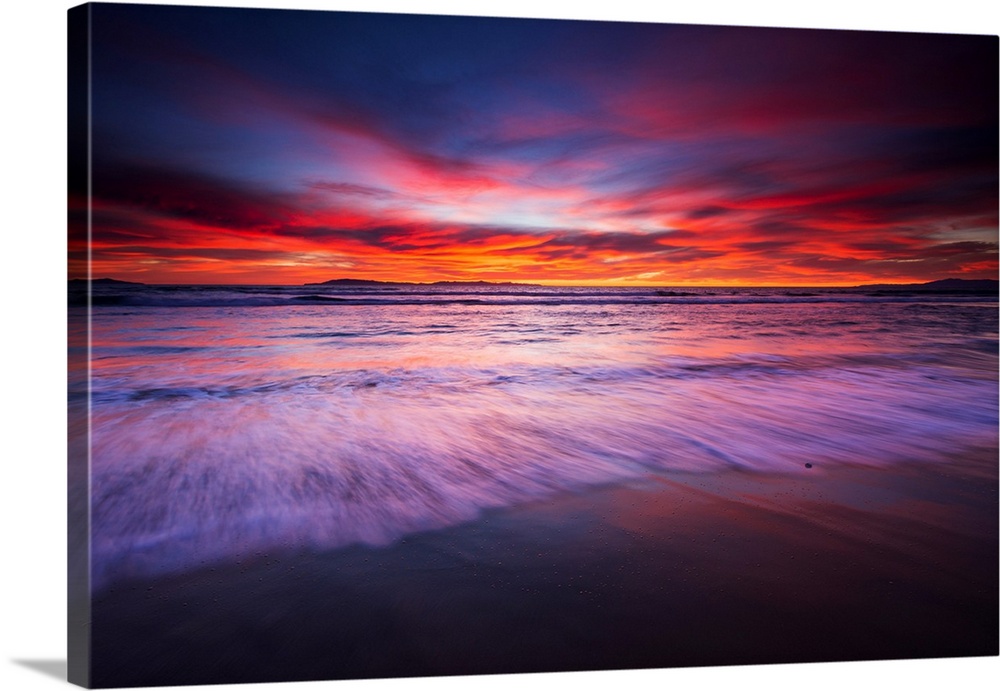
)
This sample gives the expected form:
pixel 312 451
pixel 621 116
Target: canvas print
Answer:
pixel 410 345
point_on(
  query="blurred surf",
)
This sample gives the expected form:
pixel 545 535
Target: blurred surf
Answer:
pixel 222 429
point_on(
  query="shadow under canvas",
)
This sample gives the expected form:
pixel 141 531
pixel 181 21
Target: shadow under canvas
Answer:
pixel 51 668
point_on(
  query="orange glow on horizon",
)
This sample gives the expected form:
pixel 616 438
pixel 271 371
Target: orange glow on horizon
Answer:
pixel 579 175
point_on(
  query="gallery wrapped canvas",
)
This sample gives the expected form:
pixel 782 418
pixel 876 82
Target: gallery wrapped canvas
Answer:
pixel 416 345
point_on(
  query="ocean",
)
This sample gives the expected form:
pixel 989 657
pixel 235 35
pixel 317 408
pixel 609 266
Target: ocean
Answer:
pixel 231 421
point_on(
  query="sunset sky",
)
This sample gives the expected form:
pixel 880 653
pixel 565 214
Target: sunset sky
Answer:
pixel 281 147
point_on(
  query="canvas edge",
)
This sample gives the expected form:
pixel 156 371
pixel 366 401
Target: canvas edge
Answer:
pixel 78 341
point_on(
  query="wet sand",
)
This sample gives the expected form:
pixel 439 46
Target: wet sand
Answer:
pixel 828 564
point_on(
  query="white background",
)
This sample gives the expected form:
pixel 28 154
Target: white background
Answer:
pixel 32 330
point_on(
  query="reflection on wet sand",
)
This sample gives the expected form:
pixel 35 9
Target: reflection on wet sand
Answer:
pixel 846 563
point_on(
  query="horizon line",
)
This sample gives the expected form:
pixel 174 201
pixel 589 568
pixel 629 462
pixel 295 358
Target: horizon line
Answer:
pixel 546 285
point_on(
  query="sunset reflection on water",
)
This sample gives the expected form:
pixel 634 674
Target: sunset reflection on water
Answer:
pixel 222 429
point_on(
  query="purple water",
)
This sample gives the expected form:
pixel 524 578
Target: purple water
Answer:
pixel 231 421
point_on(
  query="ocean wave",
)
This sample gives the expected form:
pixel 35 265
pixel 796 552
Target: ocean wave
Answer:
pixel 184 474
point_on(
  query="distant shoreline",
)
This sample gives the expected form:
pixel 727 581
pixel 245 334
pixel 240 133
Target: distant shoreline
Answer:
pixel 943 286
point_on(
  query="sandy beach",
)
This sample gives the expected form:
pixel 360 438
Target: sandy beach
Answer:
pixel 828 564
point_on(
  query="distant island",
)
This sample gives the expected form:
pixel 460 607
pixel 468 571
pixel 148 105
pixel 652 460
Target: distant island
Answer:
pixel 946 285
pixel 352 282
pixel 368 282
